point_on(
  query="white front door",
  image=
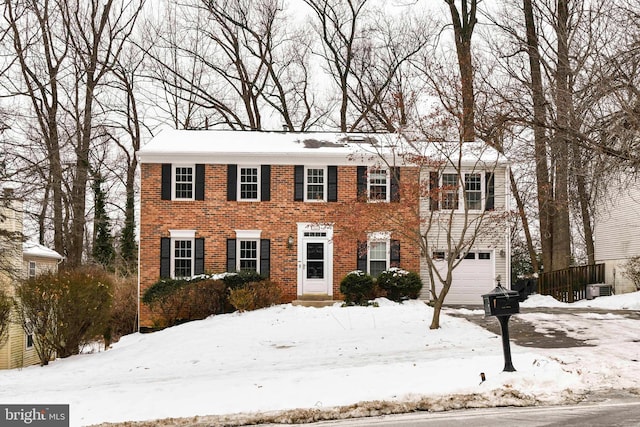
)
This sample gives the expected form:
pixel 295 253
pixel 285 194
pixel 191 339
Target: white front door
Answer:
pixel 315 259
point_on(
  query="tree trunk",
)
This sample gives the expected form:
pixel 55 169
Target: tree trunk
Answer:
pixel 525 225
pixel 560 146
pixel 544 193
pixel 463 25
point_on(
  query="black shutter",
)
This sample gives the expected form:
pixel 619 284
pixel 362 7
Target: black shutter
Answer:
pixel 231 255
pixel 265 183
pixel 394 256
pixel 362 183
pixel 362 256
pixel 298 179
pixel 489 186
pixel 395 184
pixel 434 193
pixel 332 187
pixel 165 192
pixel 265 257
pixel 165 257
pixel 198 266
pixel 199 182
pixel 232 182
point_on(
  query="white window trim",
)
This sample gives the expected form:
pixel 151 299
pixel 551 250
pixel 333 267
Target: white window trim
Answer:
pixel 462 191
pixel 248 235
pixel 181 235
pixel 482 190
pixel 239 183
pixel 35 271
pixel 324 184
pixel 173 181
pixel 379 236
pixel 387 171
pixel 26 336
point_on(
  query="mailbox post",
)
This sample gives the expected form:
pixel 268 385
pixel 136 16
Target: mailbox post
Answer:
pixel 502 303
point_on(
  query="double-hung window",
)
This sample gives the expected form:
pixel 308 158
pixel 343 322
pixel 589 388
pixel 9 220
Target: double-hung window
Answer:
pixel 183 182
pixel 182 253
pixel 450 191
pixel 248 250
pixel 249 183
pixel 378 253
pixel 248 256
pixel 315 184
pixel 473 191
pixel 378 183
pixel 32 269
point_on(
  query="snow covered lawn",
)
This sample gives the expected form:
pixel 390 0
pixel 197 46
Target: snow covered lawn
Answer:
pixel 289 357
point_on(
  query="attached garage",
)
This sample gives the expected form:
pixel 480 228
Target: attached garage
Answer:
pixel 473 277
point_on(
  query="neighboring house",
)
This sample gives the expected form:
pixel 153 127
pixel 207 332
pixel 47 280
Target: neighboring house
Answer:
pixel 20 261
pixel 477 178
pixel 274 202
pixel 617 233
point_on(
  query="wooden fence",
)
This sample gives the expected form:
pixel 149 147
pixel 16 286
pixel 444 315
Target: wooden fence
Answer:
pixel 570 284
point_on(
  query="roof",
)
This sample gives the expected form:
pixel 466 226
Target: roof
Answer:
pixel 318 148
pixel 35 250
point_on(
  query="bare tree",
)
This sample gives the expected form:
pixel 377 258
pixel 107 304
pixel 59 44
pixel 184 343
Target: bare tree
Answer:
pixel 234 63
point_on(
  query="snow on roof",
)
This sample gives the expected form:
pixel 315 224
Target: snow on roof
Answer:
pixel 33 249
pixel 228 146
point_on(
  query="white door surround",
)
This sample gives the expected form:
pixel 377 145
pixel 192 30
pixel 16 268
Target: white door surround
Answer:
pixel 315 259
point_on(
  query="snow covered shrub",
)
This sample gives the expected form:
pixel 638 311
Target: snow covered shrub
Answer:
pixel 400 284
pixel 177 301
pixel 65 311
pixel 358 288
pixel 255 295
pixel 632 271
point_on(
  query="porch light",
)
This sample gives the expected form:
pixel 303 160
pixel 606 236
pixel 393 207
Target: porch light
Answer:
pixel 290 242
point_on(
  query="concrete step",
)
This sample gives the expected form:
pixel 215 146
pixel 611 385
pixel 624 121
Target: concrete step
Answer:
pixel 315 300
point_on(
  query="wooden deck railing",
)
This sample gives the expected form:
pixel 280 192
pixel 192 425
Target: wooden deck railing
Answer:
pixel 570 284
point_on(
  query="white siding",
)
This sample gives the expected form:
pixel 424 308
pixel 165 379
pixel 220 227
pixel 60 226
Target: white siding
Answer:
pixel 491 230
pixel 617 226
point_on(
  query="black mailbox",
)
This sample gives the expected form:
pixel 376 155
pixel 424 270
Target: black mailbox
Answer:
pixel 501 302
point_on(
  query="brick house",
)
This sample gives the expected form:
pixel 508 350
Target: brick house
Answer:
pixel 215 201
pixel 276 202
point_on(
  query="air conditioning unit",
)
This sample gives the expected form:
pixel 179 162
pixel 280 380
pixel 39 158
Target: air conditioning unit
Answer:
pixel 598 290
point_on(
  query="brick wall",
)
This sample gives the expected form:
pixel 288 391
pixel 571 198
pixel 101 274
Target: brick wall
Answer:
pixel 215 219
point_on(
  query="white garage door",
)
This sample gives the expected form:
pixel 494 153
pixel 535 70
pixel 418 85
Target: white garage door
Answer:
pixel 472 278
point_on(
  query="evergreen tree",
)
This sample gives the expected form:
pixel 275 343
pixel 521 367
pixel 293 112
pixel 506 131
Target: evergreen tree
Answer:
pixel 103 251
pixel 128 246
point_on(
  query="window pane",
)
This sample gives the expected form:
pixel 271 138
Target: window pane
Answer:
pixel 249 183
pixel 377 267
pixel 184 183
pixel 182 258
pixel 315 184
pixel 248 255
pixel 473 191
pixel 315 260
pixel 377 184
pixel 378 250
pixel 449 191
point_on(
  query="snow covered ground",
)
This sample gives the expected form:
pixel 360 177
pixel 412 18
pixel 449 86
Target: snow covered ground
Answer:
pixel 288 357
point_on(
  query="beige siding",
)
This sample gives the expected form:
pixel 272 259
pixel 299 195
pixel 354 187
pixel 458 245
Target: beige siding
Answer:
pixel 491 229
pixel 617 226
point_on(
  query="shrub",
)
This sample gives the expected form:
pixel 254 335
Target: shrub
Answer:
pixel 400 284
pixel 65 310
pixel 255 295
pixel 180 300
pixel 240 278
pixel 5 315
pixel 358 288
pixel 124 308
pixel 632 271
